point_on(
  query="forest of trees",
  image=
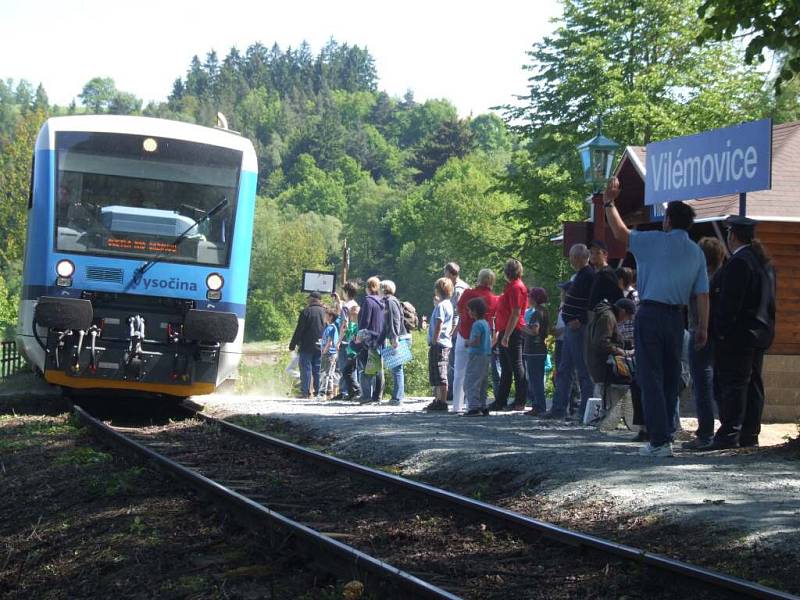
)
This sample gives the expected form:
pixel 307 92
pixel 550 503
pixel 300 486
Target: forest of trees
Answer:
pixel 410 184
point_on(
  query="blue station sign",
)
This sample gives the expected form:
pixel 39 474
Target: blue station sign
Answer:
pixel 723 161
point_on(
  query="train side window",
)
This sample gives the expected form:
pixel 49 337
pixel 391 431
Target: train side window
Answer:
pixel 30 188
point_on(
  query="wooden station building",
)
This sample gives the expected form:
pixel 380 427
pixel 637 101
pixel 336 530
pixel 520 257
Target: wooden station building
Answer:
pixel 778 213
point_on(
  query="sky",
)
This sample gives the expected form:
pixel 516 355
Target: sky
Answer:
pixel 468 52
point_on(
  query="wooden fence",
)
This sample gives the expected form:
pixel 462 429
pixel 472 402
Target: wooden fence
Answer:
pixel 11 361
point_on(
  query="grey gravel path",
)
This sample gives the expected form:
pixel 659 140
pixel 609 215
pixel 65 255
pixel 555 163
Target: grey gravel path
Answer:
pixel 757 493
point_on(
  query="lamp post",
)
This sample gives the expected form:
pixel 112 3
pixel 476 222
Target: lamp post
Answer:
pixel 597 158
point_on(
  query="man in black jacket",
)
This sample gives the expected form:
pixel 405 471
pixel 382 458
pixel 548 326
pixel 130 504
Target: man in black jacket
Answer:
pixel 306 337
pixel 743 326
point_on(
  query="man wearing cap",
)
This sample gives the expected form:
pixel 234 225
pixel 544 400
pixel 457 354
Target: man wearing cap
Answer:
pixel 671 269
pixel 743 326
pixel 605 285
pixel 573 351
pixel 307 333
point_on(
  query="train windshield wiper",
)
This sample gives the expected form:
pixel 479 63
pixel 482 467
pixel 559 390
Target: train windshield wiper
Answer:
pixel 145 266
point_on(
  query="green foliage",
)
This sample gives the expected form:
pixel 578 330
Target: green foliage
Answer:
pixel 314 190
pixel 490 134
pixel 787 100
pixel 459 215
pixel 769 24
pixel 98 93
pixel 15 178
pixel 636 65
pixel 285 242
pixel 83 456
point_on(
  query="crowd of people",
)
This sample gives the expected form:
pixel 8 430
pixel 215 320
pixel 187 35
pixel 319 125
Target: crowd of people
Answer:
pixel 629 339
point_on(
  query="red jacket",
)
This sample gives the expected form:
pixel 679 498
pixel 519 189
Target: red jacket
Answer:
pixel 465 321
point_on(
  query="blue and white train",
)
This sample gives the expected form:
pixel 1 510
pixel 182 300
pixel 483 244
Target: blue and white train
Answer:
pixel 137 255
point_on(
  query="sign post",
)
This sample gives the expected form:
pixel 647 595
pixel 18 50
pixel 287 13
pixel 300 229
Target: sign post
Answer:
pixel 719 162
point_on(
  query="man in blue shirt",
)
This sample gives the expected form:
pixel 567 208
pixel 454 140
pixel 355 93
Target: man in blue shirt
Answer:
pixel 671 269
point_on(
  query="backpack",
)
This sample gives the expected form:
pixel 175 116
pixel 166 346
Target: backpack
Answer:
pixel 409 316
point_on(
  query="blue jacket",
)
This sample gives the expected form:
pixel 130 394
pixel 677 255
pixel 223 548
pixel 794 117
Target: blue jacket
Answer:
pixel 371 316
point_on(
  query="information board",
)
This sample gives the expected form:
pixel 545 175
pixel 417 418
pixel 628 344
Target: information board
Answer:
pixel 323 282
pixel 719 162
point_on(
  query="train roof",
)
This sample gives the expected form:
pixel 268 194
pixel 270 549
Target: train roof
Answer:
pixel 147 126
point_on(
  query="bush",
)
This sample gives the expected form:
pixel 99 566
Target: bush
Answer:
pixel 264 321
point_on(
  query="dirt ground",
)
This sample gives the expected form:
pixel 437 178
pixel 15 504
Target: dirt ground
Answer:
pixel 77 522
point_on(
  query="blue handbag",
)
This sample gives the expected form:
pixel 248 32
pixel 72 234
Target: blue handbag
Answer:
pixel 394 357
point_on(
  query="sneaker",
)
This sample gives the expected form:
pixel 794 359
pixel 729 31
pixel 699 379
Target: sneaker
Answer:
pixel 485 412
pixel 517 406
pixel 365 400
pixel 660 451
pixel 338 396
pixel 697 444
pixel 475 412
pixel 534 412
pixel 394 402
pixel 436 405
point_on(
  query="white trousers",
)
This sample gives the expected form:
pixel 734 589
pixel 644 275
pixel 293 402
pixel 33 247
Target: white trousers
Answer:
pixel 459 370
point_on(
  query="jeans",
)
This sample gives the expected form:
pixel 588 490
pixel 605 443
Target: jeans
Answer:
pixel 341 363
pixel 573 358
pixel 535 365
pixel 512 366
pixel 658 331
pixel 701 366
pixel 309 369
pixel 371 385
pixel 398 389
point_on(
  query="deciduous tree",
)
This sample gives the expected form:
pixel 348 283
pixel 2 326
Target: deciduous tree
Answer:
pixel 767 25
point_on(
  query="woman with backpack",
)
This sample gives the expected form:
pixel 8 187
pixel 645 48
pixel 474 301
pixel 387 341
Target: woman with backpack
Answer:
pixel 370 327
pixel 394 334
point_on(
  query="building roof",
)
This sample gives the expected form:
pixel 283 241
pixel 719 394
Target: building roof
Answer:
pixel 781 203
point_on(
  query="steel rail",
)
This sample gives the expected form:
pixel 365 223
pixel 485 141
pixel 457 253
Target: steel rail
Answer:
pixel 521 522
pixel 371 569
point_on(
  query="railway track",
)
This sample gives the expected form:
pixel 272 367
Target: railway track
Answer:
pixel 332 505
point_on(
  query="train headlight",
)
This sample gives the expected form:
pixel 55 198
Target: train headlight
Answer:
pixel 64 271
pixel 214 283
pixel 65 268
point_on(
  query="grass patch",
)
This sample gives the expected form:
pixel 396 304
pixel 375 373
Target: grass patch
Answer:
pixel 266 378
pixel 10 445
pixel 122 483
pixel 16 434
pixel 83 456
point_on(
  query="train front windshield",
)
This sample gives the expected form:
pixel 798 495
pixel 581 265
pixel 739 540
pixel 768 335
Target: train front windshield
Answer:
pixel 132 196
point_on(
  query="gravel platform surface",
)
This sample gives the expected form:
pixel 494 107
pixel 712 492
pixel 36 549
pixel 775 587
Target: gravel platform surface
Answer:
pixel 754 491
